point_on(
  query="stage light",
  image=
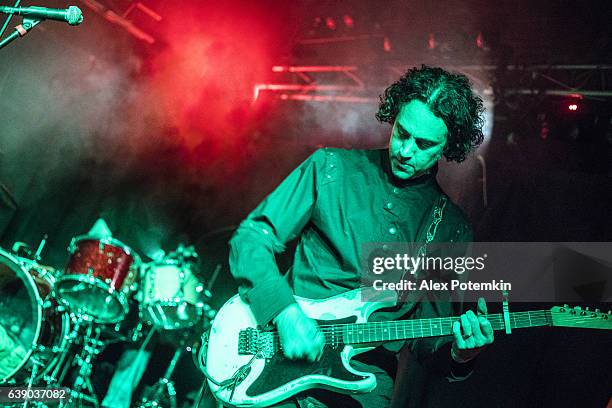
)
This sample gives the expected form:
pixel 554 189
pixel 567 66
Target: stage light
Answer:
pixel 387 44
pixel 573 103
pixel 348 21
pixel 480 41
pixel 330 23
pixel 431 42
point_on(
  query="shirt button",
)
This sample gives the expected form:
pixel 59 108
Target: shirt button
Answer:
pixel 392 231
pixel 331 166
pixel 389 206
pixel 328 176
pixel 396 190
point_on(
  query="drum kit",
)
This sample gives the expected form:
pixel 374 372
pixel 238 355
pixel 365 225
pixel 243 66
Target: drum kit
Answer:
pixel 54 323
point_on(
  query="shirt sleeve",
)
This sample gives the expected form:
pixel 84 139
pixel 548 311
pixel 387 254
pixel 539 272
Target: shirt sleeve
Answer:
pixel 278 219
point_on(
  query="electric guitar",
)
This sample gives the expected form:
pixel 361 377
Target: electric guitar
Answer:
pixel 245 366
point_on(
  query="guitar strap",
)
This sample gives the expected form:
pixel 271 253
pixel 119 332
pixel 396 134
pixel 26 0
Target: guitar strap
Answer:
pixel 430 234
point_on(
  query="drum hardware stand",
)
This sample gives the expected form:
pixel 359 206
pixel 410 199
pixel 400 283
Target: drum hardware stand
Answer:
pixel 163 386
pixel 81 389
pixel 92 346
pixel 33 375
pixel 40 247
pixel 61 368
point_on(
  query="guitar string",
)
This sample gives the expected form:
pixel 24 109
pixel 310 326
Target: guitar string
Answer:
pixel 532 317
pixel 442 320
pixel 535 318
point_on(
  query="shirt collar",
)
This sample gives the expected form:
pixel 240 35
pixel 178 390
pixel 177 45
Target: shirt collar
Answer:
pixel 426 179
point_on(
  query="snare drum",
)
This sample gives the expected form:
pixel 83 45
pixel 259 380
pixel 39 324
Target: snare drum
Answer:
pixel 172 296
pixel 33 327
pixel 98 279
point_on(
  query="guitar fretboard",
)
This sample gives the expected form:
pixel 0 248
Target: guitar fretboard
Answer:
pixel 411 329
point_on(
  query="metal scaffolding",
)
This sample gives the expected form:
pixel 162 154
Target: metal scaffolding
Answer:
pixel 122 19
pixel 349 84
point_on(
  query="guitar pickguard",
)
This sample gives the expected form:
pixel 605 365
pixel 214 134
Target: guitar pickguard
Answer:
pixel 279 371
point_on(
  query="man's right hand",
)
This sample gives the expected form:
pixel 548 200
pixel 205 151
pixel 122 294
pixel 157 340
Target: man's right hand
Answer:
pixel 300 335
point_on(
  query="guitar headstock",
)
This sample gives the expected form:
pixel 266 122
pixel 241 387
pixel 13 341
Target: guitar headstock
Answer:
pixel 565 316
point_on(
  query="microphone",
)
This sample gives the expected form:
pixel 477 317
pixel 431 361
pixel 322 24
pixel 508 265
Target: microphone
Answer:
pixel 72 15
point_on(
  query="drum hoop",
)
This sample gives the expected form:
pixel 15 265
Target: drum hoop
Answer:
pixel 65 329
pixel 106 241
pixel 39 303
pixel 170 302
pixel 170 262
pixel 121 297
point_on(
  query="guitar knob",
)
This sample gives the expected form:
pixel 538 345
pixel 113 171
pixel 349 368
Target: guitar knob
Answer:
pixel 566 305
pixel 597 310
pixel 586 308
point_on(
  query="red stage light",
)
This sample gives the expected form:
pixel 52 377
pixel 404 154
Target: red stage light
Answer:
pixel 331 23
pixel 480 41
pixel 431 42
pixel 387 44
pixel 348 21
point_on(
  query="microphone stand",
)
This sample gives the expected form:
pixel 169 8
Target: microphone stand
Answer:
pixel 22 29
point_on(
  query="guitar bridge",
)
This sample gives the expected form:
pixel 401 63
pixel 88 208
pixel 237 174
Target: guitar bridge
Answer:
pixel 255 342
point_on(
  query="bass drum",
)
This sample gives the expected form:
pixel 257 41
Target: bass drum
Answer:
pixel 33 327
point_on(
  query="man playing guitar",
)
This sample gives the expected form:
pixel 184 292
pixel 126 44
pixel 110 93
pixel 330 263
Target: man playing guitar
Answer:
pixel 338 199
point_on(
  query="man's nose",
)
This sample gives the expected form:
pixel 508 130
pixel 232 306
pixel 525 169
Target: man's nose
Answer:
pixel 407 149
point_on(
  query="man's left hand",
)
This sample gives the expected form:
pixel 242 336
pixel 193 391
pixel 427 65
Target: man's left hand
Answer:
pixel 471 334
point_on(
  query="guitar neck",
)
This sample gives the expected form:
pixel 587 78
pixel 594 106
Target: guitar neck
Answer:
pixel 374 332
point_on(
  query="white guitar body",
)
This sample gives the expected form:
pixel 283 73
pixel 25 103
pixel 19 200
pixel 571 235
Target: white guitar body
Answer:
pixel 246 368
pixel 262 382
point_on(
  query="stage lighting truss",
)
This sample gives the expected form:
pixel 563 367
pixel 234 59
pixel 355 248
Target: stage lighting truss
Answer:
pixel 122 19
pixel 337 83
pixel 321 83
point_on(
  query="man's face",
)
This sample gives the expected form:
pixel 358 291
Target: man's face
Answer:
pixel 417 140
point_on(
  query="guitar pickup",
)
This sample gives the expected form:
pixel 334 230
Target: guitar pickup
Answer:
pixel 254 342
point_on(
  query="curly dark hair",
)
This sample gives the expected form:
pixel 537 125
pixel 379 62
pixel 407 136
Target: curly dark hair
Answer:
pixel 449 96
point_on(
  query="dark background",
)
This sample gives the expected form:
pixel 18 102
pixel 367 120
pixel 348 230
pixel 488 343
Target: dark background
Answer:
pixel 165 142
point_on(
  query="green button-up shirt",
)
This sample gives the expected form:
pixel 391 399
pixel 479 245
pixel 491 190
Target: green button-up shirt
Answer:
pixel 334 202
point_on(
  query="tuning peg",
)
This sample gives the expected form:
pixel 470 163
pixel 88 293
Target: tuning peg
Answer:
pixel 566 305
